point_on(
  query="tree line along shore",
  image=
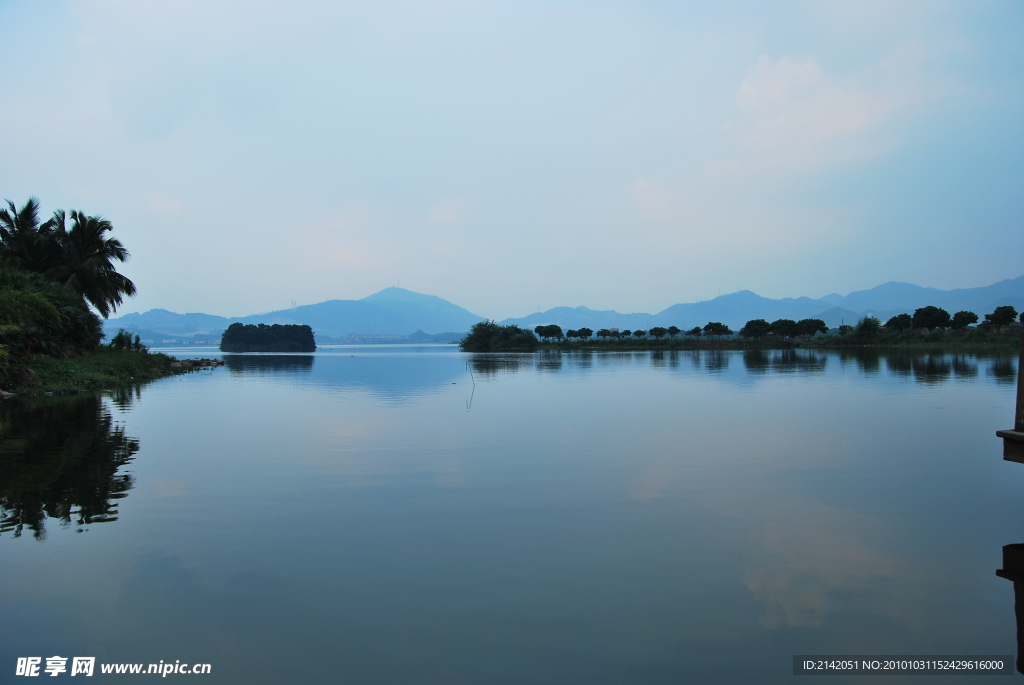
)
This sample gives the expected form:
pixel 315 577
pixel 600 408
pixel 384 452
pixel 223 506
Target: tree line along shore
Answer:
pixel 57 277
pixel 931 326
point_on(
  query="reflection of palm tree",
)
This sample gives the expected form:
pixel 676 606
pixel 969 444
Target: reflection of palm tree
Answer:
pixel 61 460
pixel 85 263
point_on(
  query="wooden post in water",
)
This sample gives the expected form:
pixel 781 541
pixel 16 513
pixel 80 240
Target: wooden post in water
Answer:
pixel 1013 440
pixel 1018 425
pixel 1013 570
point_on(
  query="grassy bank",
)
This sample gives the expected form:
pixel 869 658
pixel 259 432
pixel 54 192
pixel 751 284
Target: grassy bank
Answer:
pixel 101 370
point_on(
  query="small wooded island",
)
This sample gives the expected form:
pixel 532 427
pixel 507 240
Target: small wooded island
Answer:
pixel 263 338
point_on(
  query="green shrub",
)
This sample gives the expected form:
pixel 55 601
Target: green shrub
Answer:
pixel 123 341
pixel 489 336
pixel 42 318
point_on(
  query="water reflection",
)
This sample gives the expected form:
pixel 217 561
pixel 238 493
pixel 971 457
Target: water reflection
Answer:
pixel 494 364
pixel 549 361
pixel 585 518
pixel 964 367
pixel 125 396
pixel 867 360
pixel 812 560
pixel 1003 370
pixel 268 363
pixel 784 361
pixel 583 359
pixel 715 360
pixel 60 460
pixel 927 368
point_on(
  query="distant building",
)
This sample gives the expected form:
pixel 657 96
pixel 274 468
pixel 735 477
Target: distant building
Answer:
pixel 373 339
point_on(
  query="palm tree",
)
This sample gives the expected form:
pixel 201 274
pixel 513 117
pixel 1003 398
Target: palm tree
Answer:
pixel 85 262
pixel 80 258
pixel 24 244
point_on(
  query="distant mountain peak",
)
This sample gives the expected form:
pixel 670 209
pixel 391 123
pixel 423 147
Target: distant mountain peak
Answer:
pixel 394 294
pixel 400 296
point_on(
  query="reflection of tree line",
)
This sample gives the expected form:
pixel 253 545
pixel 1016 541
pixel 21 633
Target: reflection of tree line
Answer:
pixel 938 368
pixel 784 361
pixel 273 363
pixel 922 367
pixel 60 460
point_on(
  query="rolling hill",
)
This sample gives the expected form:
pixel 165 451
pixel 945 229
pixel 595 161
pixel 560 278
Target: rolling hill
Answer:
pixel 400 312
pixel 392 311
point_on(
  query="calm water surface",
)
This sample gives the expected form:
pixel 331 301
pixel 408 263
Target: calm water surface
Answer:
pixel 418 515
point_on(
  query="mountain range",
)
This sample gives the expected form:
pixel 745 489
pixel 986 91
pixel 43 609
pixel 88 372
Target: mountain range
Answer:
pixel 398 312
pixel 735 309
pixel 390 312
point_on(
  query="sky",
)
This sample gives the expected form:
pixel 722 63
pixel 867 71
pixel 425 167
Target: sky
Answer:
pixel 516 156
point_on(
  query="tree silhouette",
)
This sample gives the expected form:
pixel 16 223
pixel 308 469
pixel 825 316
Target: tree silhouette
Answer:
pixel 902 322
pixel 550 331
pixel 1001 316
pixel 86 260
pixel 755 328
pixel 810 327
pixel 962 319
pixel 61 460
pixel 931 318
pixel 715 328
pixel 80 258
pixel 784 327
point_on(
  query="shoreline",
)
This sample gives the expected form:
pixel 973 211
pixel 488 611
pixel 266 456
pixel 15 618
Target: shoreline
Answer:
pixel 1008 343
pixel 101 370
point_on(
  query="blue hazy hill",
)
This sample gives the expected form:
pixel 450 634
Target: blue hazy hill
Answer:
pixel 392 311
pixel 737 308
pixel 733 309
pixel 907 297
pixel 396 311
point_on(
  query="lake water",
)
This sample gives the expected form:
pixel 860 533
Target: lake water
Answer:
pixel 419 515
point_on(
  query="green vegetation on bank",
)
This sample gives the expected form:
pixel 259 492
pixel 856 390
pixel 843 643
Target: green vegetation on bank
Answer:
pixel 489 336
pixel 53 275
pixel 928 326
pixel 870 332
pixel 106 368
pixel 40 317
pixel 263 338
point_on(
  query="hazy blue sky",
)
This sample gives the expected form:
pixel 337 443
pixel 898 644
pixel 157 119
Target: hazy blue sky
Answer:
pixel 515 155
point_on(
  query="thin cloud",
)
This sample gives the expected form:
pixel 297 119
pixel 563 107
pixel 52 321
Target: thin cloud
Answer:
pixel 655 201
pixel 793 115
pixel 447 211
